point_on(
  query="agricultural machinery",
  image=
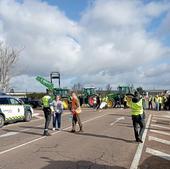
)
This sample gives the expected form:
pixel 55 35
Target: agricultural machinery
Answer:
pixel 87 96
pixel 118 96
pixel 64 93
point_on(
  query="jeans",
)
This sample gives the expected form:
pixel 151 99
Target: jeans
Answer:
pixel 157 106
pixel 47 115
pixel 150 105
pixel 57 120
pixel 138 120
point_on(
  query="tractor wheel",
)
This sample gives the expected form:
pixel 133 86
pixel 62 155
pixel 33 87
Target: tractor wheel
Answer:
pixel 91 101
pixel 65 104
pixel 109 104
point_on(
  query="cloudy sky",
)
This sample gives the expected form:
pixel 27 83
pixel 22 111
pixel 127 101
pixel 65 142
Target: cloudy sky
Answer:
pixel 94 42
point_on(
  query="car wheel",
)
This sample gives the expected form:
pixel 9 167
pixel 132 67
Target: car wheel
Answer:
pixel 28 116
pixel 2 121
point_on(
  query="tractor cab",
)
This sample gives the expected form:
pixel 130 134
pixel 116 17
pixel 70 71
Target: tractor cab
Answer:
pixel 62 92
pixel 87 96
pixel 88 91
pixel 122 90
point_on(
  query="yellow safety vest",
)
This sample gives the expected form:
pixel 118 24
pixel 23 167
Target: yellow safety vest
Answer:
pixel 46 101
pixel 150 98
pixel 137 108
pixel 160 100
pixel 156 99
pixel 125 98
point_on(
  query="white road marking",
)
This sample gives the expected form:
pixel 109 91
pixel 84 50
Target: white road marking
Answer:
pixel 161 118
pixel 12 133
pixel 160 132
pixel 154 121
pixel 159 140
pixel 118 119
pixel 156 116
pixel 138 153
pixel 158 153
pixel 40 138
pixel 20 131
pixel 159 126
pixel 39 118
pixel 8 134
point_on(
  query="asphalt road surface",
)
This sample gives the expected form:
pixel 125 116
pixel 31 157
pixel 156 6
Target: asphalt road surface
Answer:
pixel 106 143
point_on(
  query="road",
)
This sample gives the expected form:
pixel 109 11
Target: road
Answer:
pixel 107 143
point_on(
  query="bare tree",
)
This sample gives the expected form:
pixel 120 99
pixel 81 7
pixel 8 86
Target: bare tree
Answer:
pixel 77 87
pixel 8 58
pixel 108 87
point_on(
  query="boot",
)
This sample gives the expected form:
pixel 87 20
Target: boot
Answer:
pixel 81 129
pixel 46 133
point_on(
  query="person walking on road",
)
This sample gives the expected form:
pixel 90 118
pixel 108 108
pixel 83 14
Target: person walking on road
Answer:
pixel 137 113
pixel 150 103
pixel 98 102
pixel 58 110
pixel 76 110
pixel 46 101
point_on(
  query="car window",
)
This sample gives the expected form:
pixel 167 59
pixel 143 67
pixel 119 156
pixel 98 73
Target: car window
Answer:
pixel 14 101
pixel 4 101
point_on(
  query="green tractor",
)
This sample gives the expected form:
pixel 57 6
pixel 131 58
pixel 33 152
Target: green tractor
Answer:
pixel 88 95
pixel 64 93
pixel 118 96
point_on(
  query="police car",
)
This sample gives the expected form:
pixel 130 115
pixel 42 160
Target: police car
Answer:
pixel 12 110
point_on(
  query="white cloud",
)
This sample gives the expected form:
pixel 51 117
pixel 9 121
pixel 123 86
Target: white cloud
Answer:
pixel 110 43
pixel 43 30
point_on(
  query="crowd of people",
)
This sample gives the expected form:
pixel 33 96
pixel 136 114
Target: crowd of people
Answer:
pixel 158 102
pixel 137 103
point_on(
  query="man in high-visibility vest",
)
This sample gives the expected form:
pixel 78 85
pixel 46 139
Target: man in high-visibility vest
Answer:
pixel 156 102
pixel 46 101
pixel 137 113
pixel 125 101
pixel 160 101
pixel 164 102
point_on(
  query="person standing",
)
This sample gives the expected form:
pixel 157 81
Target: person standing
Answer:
pixel 75 109
pixel 150 103
pixel 156 99
pixel 125 101
pixel 94 102
pixel 137 113
pixel 98 102
pixel 58 110
pixel 164 102
pixel 160 100
pixel 46 101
